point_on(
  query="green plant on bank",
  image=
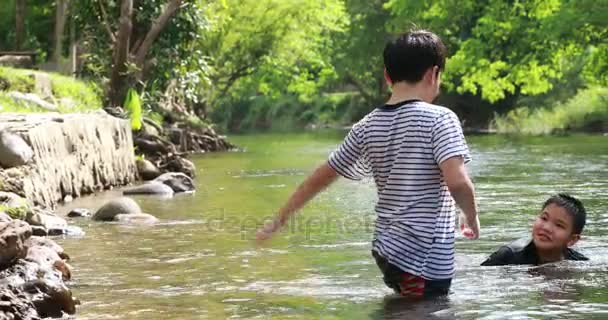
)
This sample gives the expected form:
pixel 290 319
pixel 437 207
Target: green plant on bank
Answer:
pixel 133 105
pixel 587 110
pixel 14 212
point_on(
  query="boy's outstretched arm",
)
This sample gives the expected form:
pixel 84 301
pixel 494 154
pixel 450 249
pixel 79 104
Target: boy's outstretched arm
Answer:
pixel 322 177
pixel 462 190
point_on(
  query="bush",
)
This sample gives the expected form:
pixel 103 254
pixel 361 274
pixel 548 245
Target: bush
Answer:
pixel 586 111
pixel 287 112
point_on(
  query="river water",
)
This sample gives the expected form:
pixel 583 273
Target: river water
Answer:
pixel 200 262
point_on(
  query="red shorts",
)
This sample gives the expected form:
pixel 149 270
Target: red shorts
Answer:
pixel 409 285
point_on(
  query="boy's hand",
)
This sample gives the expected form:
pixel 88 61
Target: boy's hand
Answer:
pixel 471 232
pixel 268 230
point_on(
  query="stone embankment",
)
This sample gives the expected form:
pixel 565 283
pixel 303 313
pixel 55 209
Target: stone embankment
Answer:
pixel 73 154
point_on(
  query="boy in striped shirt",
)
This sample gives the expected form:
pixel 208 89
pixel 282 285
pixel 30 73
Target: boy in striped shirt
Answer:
pixel 416 153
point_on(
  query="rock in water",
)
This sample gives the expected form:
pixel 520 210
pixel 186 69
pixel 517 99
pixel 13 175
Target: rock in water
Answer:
pixel 14 151
pixel 150 188
pixel 147 170
pixel 136 218
pixel 79 213
pixel 178 181
pixel 179 164
pixel 116 206
pixel 12 240
pixel 52 223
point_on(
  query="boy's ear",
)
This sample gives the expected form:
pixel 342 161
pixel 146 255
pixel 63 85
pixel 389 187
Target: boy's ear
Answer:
pixel 387 78
pixel 574 239
pixel 431 75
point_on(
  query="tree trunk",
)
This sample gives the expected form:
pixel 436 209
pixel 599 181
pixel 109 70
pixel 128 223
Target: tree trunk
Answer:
pixel 19 23
pixel 118 81
pixel 60 19
pixel 158 25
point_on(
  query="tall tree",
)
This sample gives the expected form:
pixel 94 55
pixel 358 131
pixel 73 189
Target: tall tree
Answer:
pixel 19 23
pixel 60 20
pixel 125 53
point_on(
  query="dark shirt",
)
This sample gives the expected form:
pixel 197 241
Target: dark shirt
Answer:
pixel 523 251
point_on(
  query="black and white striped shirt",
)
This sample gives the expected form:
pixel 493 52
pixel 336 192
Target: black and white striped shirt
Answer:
pixel 401 146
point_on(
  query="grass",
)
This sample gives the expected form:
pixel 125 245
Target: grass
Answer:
pixel 84 95
pixel 586 111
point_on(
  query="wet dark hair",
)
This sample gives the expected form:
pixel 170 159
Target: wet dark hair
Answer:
pixel 408 56
pixel 573 206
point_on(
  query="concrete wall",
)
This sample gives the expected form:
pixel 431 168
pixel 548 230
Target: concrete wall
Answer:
pixel 74 154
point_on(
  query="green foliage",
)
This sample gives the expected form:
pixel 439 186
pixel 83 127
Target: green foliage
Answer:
pixel 588 110
pixel 84 94
pixel 173 56
pixel 503 48
pixel 18 212
pixel 288 112
pixel 12 79
pixel 133 105
pixel 261 50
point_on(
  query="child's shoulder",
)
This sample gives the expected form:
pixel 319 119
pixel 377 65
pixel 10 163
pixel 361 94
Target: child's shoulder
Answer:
pixel 515 252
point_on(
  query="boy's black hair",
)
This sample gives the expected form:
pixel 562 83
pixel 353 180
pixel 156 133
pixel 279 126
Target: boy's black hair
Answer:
pixel 573 206
pixel 411 54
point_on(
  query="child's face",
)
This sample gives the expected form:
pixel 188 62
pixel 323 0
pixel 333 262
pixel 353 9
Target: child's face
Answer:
pixel 552 229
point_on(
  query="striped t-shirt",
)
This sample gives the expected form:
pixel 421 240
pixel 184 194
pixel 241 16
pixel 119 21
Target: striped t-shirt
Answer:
pixel 401 146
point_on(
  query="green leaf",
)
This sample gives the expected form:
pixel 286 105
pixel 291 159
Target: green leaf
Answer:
pixel 133 105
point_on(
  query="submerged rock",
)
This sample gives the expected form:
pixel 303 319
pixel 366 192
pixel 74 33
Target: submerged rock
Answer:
pixel 79 213
pixel 136 218
pixel 116 206
pixel 178 181
pixel 150 188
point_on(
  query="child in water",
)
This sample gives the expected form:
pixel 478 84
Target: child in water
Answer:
pixel 556 229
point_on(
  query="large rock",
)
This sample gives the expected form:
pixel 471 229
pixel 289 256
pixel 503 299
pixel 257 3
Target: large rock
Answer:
pixel 47 257
pixel 150 188
pixel 14 151
pixel 12 241
pixel 178 181
pixel 117 206
pixel 147 170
